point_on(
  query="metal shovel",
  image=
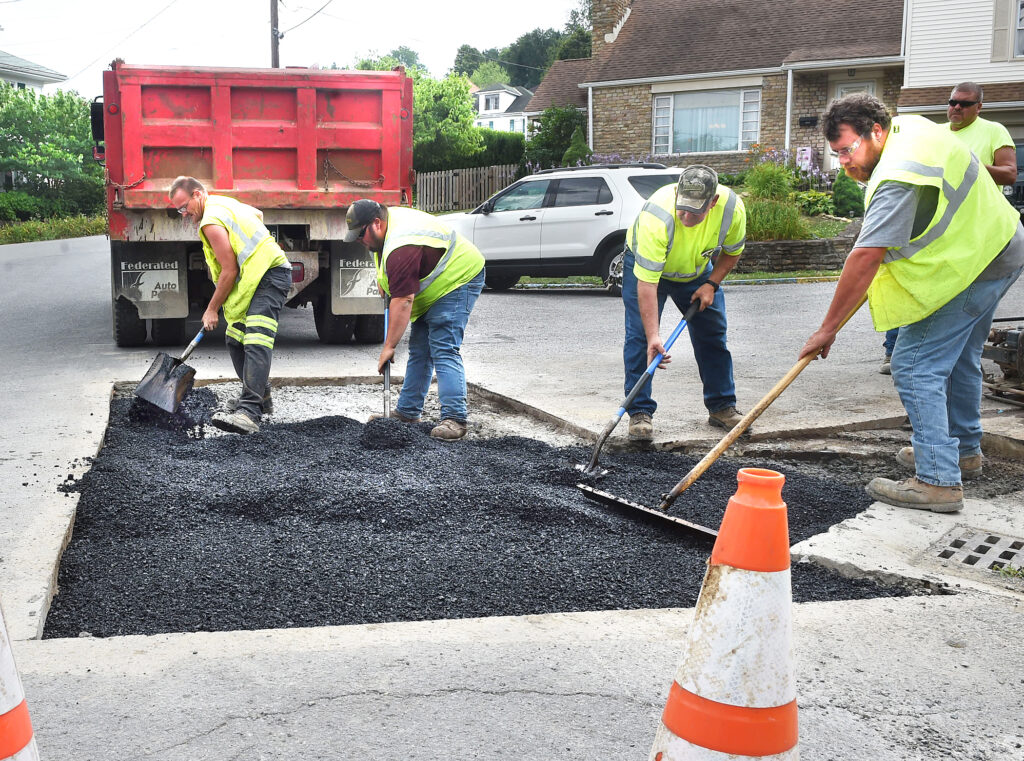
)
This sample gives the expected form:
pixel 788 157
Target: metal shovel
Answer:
pixel 168 379
pixel 592 468
pixel 387 366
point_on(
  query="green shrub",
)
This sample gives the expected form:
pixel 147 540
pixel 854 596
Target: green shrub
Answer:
pixel 848 196
pixel 769 219
pixel 770 181
pixel 578 152
pixel 19 206
pixel 501 148
pixel 53 229
pixel 814 202
pixel 732 180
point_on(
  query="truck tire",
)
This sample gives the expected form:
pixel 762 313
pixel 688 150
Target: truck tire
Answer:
pixel 129 328
pixel 500 282
pixel 168 332
pixel 332 328
pixel 370 329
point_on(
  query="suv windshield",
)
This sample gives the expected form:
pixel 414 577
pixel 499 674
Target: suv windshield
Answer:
pixel 646 184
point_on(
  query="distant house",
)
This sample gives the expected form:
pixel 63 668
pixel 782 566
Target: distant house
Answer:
pixel 502 108
pixel 702 81
pixel 952 41
pixel 25 74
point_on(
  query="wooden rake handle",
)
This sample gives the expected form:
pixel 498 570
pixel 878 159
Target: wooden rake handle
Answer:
pixel 729 439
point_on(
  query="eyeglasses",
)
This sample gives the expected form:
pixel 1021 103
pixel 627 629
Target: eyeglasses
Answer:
pixel 962 103
pixel 362 233
pixel 848 150
pixel 183 209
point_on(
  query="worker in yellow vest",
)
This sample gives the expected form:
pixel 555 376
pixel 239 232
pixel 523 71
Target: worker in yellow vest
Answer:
pixel 991 143
pixel 685 240
pixel 432 278
pixel 251 277
pixel 938 249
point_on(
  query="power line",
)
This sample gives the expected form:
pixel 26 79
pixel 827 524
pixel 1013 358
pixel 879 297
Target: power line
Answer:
pixel 121 41
pixel 303 22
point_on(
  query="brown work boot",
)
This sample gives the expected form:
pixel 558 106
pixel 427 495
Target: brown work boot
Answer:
pixel 448 430
pixel 640 427
pixel 396 415
pixel 917 495
pixel 727 418
pixel 970 466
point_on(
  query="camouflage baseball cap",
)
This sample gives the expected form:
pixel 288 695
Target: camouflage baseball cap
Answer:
pixel 696 187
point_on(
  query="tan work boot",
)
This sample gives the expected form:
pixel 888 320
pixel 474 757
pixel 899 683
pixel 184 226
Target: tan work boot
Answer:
pixel 640 427
pixel 232 404
pixel 448 430
pixel 727 418
pixel 917 495
pixel 234 422
pixel 970 466
pixel 396 415
pixel 886 368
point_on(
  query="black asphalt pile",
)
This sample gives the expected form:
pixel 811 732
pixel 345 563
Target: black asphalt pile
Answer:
pixel 389 433
pixel 303 525
pixel 191 416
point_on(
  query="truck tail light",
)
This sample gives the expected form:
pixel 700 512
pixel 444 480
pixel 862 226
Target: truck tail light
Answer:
pixel 298 272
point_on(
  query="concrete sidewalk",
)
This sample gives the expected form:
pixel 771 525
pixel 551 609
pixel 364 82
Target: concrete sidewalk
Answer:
pixel 896 679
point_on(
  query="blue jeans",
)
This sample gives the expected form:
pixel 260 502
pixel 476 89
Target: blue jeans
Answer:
pixel 936 368
pixel 434 343
pixel 889 342
pixel 707 336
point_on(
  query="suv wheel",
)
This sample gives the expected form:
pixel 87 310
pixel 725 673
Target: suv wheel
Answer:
pixel 611 270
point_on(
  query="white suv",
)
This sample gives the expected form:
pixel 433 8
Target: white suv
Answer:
pixel 561 222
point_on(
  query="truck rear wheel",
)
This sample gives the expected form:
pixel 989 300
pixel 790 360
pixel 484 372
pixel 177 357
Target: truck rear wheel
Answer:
pixel 332 328
pixel 370 328
pixel 169 332
pixel 129 328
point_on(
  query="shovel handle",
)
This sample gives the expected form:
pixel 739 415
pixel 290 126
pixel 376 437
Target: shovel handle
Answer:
pixel 745 422
pixel 387 365
pixel 192 346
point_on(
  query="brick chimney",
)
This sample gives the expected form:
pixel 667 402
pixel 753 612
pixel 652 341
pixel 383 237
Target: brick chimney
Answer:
pixel 607 17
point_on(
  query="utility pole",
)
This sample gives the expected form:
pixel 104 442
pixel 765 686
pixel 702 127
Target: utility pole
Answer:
pixel 275 58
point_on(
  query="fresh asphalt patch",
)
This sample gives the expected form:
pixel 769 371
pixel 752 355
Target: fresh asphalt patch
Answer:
pixel 328 521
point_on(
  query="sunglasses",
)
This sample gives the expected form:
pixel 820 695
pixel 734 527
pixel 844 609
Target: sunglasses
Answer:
pixel 962 103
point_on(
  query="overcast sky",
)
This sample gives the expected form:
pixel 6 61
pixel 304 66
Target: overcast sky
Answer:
pixel 79 38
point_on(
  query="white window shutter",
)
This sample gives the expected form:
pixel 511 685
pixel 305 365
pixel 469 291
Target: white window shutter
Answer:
pixel 1002 14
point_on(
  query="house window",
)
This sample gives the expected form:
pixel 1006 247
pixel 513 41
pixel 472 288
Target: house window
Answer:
pixel 511 125
pixel 707 121
pixel 21 85
pixel 490 125
pixel 490 103
pixel 1018 44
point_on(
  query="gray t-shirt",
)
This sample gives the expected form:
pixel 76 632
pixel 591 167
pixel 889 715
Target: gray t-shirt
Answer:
pixel 900 212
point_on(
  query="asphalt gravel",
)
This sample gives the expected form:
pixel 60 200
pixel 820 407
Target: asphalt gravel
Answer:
pixel 329 521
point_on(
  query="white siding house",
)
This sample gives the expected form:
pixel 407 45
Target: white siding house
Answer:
pixel 502 108
pixel 25 74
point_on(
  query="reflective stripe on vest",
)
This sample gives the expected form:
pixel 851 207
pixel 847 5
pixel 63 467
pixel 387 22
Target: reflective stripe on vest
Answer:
pixel 670 233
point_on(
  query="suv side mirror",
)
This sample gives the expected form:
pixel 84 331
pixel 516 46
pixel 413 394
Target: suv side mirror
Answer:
pixel 487 207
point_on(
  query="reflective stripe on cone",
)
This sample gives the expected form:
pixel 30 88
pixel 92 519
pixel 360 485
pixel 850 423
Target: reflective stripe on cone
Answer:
pixel 734 695
pixel 16 741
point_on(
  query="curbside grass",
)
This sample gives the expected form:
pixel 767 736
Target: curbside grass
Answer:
pixel 53 229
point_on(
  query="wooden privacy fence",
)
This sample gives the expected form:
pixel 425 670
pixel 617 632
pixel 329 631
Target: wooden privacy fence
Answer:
pixel 462 188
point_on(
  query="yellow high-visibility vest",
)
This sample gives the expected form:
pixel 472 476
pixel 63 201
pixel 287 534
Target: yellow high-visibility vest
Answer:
pixel 664 248
pixel 254 247
pixel 972 223
pixel 461 262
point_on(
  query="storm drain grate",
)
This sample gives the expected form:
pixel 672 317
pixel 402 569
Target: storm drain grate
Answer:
pixel 983 549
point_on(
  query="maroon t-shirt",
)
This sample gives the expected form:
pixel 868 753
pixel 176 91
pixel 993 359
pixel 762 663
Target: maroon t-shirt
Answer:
pixel 407 265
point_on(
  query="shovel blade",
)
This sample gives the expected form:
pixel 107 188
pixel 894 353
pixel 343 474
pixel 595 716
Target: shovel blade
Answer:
pixel 166 382
pixel 636 510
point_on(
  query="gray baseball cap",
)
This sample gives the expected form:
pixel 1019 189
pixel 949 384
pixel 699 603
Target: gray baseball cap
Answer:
pixel 696 187
pixel 360 214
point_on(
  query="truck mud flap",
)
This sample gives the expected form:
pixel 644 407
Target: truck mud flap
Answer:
pixel 353 281
pixel 152 276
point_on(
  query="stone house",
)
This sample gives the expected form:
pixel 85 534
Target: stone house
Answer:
pixel 703 81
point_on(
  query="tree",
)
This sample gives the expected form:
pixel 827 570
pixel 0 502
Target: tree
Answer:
pixel 443 133
pixel 581 17
pixel 467 59
pixel 848 196
pixel 530 56
pixel 578 152
pixel 575 45
pixel 406 56
pixel 553 137
pixel 391 61
pixel 489 73
pixel 47 141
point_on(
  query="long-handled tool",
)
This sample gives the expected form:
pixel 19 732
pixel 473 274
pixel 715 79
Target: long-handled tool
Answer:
pixel 698 470
pixel 387 365
pixel 168 378
pixel 592 468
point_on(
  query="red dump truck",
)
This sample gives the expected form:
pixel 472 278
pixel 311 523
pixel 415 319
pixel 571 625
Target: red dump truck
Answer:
pixel 298 144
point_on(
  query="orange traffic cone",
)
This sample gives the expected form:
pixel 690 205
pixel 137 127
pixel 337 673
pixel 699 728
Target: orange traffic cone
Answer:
pixel 734 695
pixel 16 741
